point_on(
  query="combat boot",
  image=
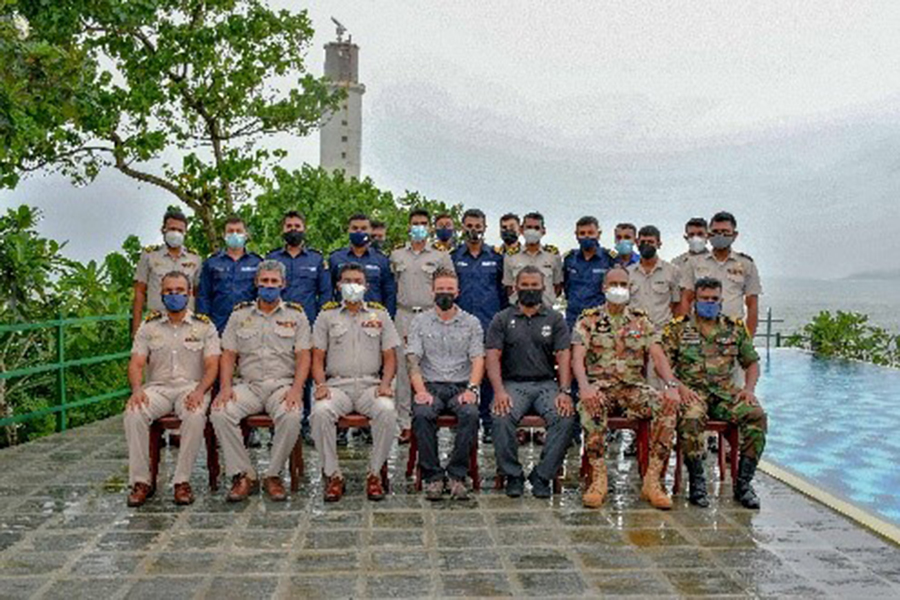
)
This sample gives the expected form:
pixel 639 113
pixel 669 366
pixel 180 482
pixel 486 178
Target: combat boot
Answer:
pixel 595 493
pixel 697 479
pixel 743 491
pixel 652 491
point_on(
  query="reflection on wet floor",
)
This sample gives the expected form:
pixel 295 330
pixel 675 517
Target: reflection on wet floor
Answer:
pixel 65 532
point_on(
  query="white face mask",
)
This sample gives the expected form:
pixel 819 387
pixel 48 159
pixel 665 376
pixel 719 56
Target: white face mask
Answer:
pixel 353 292
pixel 174 239
pixel 532 236
pixel 697 244
pixel 618 295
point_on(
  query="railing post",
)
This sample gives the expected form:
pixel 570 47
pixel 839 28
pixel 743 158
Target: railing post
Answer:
pixel 61 373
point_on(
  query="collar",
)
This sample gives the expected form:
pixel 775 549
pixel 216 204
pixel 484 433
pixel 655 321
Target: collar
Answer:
pixel 639 266
pixel 542 310
pixel 364 306
pixel 165 250
pixel 256 309
pixel 467 250
pixel 425 248
pixel 188 318
pixel 283 250
pixel 436 317
pixel 711 256
pixel 351 253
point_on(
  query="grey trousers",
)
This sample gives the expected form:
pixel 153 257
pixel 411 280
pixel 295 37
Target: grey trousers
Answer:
pixel 424 425
pixel 532 397
pixel 402 390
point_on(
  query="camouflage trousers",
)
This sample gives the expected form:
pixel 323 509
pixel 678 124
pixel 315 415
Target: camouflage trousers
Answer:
pixel 634 401
pixel 751 421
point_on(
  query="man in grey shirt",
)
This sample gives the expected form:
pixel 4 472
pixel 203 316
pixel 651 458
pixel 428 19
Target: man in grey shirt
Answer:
pixel 445 354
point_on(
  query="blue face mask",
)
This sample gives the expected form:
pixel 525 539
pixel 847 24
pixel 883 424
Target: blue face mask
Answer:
pixel 444 234
pixel 587 243
pixel 175 302
pixel 235 240
pixel 359 238
pixel 708 310
pixel 418 233
pixel 624 247
pixel 269 294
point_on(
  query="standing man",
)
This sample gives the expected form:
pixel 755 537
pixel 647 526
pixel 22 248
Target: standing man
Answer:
pixel 180 351
pixel 271 338
pixel 510 229
pixel 696 232
pixel 626 234
pixel 655 283
pixel 584 269
pixel 379 237
pixel 354 362
pixel 156 261
pixel 445 232
pixel 706 348
pixel 227 276
pixel 529 365
pixel 736 272
pixel 413 266
pixel 446 365
pixel 380 286
pixel 610 346
pixel 481 292
pixel 544 258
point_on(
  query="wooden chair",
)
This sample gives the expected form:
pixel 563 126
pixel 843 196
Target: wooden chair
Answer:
pixel 359 421
pixel 295 464
pixel 531 422
pixel 172 422
pixel 641 428
pixel 443 422
pixel 724 430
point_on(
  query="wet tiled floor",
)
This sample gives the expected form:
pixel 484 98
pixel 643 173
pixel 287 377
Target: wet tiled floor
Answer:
pixel 65 532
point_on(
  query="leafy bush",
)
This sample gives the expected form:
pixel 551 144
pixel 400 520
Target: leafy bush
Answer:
pixel 848 335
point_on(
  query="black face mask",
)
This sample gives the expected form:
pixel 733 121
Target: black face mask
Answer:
pixel 648 251
pixel 509 236
pixel 444 300
pixel 473 236
pixel 293 238
pixel 530 297
pixel 376 244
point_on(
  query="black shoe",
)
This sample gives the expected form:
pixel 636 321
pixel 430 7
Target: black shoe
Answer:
pixel 515 486
pixel 540 487
pixel 307 437
pixel 487 437
pixel 253 440
pixel 366 434
pixel 743 491
pixel 342 437
pixel 631 449
pixel 712 443
pixel 697 482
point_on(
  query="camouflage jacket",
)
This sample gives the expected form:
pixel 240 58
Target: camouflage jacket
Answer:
pixel 617 346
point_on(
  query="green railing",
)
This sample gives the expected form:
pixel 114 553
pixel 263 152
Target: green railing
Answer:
pixel 60 367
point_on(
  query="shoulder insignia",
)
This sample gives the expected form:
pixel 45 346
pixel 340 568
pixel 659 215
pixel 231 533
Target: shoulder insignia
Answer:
pixel 551 249
pixel 376 305
pixel 679 319
pixel 152 248
pixel 241 305
pixel 331 305
pixel 639 312
pixel 295 306
pixel 202 318
pixel 400 246
pixel 513 251
pixel 613 253
pixel 153 315
pixel 747 256
pixel 498 249
pixel 589 312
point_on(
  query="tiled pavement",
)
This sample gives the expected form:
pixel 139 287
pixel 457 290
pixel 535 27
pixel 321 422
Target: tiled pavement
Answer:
pixel 65 532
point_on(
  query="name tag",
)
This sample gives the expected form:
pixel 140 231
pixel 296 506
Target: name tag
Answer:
pixel 462 263
pixel 373 267
pixel 246 269
pixel 492 263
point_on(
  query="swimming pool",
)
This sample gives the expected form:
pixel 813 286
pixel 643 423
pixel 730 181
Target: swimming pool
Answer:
pixel 837 424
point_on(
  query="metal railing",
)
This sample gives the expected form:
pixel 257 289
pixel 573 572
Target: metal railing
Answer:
pixel 768 333
pixel 60 367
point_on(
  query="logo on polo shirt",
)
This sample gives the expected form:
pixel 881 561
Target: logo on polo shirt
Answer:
pixel 546 331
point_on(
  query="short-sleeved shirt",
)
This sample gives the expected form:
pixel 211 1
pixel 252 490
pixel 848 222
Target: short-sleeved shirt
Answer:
pixel 617 346
pixel 175 351
pixel 267 344
pixel 528 344
pixel 155 262
pixel 308 280
pixel 224 283
pixel 381 287
pixel 547 259
pixel 481 291
pixel 353 342
pixel 737 273
pixel 413 271
pixel 681 260
pixel 656 291
pixel 708 363
pixel 583 281
pixel 445 348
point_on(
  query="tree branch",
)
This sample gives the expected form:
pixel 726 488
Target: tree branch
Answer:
pixel 150 178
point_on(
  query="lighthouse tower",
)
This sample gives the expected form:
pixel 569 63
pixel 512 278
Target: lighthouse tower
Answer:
pixel 340 143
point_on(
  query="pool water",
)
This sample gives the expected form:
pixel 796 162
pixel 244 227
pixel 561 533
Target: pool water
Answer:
pixel 837 424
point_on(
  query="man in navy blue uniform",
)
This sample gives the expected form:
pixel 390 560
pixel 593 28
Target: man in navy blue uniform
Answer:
pixel 379 278
pixel 227 277
pixel 584 269
pixel 626 241
pixel 481 293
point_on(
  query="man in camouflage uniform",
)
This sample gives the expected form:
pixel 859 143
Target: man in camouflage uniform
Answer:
pixel 271 338
pixel 545 258
pixel 611 345
pixel 705 349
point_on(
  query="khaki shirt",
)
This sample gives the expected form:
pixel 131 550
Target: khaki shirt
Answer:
pixel 547 259
pixel 737 273
pixel 175 352
pixel 680 261
pixel 155 262
pixel 267 344
pixel 654 292
pixel 413 272
pixel 354 342
pixel 446 349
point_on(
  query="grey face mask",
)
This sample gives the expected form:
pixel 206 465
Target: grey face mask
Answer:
pixel 721 242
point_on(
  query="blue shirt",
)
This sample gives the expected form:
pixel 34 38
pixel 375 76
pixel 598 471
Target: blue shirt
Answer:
pixel 481 291
pixel 634 258
pixel 583 281
pixel 308 281
pixel 379 277
pixel 225 282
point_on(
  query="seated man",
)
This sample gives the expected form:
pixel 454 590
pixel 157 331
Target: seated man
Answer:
pixel 271 340
pixel 610 346
pixel 181 353
pixel 523 343
pixel 705 349
pixel 353 341
pixel 445 352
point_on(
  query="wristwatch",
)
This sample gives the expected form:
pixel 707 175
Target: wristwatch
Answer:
pixel 567 391
pixel 674 384
pixel 475 389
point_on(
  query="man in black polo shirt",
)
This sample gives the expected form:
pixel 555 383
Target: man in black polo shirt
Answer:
pixel 524 344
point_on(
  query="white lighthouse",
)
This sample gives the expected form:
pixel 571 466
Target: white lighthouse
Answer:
pixel 340 144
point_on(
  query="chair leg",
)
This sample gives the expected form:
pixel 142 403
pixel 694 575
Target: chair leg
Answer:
pixel 212 456
pixel 643 434
pixel 721 456
pixel 156 432
pixel 734 440
pixel 585 473
pixel 679 462
pixel 296 465
pixel 385 480
pixel 499 481
pixel 473 465
pixel 413 456
pixel 557 482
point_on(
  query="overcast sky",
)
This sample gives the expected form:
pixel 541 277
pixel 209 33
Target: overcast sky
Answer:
pixel 783 112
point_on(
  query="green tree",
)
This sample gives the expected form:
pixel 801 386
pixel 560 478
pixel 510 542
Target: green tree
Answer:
pixel 177 94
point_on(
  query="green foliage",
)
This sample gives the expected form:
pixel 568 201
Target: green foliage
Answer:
pixel 848 335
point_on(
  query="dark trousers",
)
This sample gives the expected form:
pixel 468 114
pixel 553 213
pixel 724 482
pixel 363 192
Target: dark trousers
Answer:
pixel 424 426
pixel 537 397
pixel 486 405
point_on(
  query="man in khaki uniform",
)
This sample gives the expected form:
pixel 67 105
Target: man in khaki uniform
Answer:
pixel 696 232
pixel 545 258
pixel 353 342
pixel 156 261
pixel 181 353
pixel 271 339
pixel 413 265
pixel 655 284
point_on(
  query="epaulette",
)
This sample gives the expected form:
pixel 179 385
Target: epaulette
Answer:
pixel 243 304
pixel 551 249
pixel 153 315
pixel 442 246
pixel 678 319
pixel 400 246
pixel 294 305
pixel 498 248
pixel 330 305
pixel 589 312
pixel 152 248
pixel 202 318
pixel 747 256
pixel 613 253
pixel 512 251
pixel 376 305
pixel 639 312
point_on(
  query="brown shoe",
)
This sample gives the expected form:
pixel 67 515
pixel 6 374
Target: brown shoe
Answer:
pixel 539 437
pixel 140 491
pixel 241 488
pixel 374 490
pixel 275 489
pixel 183 494
pixel 405 437
pixel 334 488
